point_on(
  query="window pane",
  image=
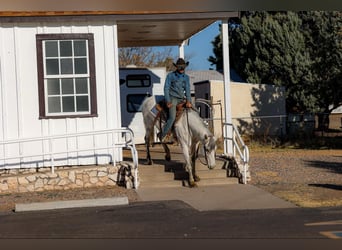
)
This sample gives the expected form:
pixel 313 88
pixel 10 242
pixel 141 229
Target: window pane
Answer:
pixel 66 48
pixel 54 105
pixel 66 66
pixel 68 104
pixel 82 103
pixel 53 87
pixel 67 86
pixel 67 75
pixel 81 66
pixel 52 67
pixel 51 49
pixel 80 48
pixel 138 80
pixel 81 85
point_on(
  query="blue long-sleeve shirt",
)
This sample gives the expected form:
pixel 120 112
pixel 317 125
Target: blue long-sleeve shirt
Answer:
pixel 177 85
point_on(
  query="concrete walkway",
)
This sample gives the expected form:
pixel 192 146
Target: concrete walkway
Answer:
pixel 214 192
pixel 206 198
pixel 37 206
pixel 217 197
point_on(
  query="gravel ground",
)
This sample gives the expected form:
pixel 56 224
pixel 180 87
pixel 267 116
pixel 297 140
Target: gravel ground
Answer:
pixel 8 201
pixel 308 178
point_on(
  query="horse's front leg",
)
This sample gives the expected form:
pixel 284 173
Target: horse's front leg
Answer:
pixel 193 162
pixel 193 168
pixel 188 166
pixel 167 152
pixel 148 154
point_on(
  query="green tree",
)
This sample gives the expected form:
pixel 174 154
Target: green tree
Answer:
pixel 323 32
pixel 269 48
pixel 301 51
pixel 217 60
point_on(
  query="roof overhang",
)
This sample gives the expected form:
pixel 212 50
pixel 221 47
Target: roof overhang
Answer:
pixel 165 29
pixel 135 29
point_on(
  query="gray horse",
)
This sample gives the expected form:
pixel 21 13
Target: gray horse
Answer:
pixel 190 131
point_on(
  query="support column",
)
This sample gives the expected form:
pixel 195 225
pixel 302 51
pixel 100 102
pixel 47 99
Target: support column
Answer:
pixel 181 52
pixel 228 131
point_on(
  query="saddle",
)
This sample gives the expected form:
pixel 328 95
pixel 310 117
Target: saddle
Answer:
pixel 163 112
pixel 162 107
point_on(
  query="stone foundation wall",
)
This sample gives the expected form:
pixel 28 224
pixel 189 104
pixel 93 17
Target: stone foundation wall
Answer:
pixel 32 180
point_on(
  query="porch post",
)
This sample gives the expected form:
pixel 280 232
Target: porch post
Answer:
pixel 228 131
pixel 181 52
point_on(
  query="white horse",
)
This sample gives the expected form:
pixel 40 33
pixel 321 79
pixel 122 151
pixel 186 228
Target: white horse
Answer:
pixel 190 131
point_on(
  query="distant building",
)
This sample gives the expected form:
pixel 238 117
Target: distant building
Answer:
pixel 257 109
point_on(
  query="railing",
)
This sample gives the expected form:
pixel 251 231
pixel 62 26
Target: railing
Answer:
pixel 239 147
pixel 121 138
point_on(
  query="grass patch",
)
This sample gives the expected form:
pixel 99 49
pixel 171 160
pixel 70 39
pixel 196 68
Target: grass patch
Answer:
pixel 274 143
pixel 305 201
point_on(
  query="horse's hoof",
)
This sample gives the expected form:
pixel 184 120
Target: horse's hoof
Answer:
pixel 149 162
pixel 168 158
pixel 192 184
pixel 197 178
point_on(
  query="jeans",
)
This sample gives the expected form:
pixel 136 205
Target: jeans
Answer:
pixel 172 116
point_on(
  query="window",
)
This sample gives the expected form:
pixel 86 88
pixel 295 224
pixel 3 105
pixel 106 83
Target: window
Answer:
pixel 135 81
pixel 66 75
pixel 134 102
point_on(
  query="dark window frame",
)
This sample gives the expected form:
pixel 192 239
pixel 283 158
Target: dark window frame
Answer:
pixel 138 77
pixel 92 74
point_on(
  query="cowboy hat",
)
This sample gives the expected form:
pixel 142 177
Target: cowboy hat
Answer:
pixel 180 62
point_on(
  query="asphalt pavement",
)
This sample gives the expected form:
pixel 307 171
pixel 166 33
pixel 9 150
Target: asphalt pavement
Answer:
pixel 211 212
pixel 171 219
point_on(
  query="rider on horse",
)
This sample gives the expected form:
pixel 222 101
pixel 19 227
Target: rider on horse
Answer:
pixel 176 89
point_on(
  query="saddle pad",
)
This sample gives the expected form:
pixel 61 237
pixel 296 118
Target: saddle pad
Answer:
pixel 154 110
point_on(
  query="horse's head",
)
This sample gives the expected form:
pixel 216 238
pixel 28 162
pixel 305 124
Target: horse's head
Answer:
pixel 210 150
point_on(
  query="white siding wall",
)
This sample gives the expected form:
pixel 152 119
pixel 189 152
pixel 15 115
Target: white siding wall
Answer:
pixel 19 105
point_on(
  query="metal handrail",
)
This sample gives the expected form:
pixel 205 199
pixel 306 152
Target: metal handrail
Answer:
pixel 240 147
pixel 126 134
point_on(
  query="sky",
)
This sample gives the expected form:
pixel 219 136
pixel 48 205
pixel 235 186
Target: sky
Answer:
pixel 200 48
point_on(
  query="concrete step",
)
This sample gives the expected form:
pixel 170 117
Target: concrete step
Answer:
pixel 160 172
pixel 153 171
pixel 156 184
pixel 179 183
pixel 172 173
pixel 217 181
pixel 212 173
pixel 156 176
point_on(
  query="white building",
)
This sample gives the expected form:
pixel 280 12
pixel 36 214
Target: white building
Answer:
pixel 59 75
